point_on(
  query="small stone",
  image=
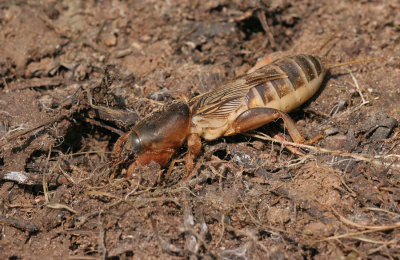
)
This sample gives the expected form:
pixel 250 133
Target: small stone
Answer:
pixel 331 131
pixel 278 216
pixel 317 229
pixel 335 142
pixel 110 40
pixel 123 53
pixel 145 38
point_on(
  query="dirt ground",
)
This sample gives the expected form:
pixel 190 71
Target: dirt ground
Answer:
pixel 248 197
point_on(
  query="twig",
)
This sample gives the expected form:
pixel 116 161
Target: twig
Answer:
pixel 191 241
pixel 351 235
pixel 222 230
pixel 45 123
pixel 351 223
pixel 383 210
pixel 361 157
pixel 264 24
pixel 82 257
pixel 356 235
pixel 37 82
pixel 110 195
pixel 341 179
pixel 109 128
pixel 384 246
pixel 19 223
pixel 164 245
pixel 358 88
pixel 60 206
pixel 46 196
pixel 25 178
pixel 212 168
pixel 82 219
pixel 101 238
pixel 52 205
pixel 203 225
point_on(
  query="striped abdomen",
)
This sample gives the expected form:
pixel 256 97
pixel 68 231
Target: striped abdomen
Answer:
pixel 304 76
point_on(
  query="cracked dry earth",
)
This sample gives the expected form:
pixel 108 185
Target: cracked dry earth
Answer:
pixel 248 197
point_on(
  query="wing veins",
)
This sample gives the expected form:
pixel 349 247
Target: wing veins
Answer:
pixel 210 103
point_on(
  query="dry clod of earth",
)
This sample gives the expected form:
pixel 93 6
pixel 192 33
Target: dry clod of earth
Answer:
pixel 249 196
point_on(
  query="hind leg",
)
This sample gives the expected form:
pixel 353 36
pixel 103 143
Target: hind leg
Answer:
pixel 259 116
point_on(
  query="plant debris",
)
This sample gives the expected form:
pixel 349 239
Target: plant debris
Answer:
pixel 75 76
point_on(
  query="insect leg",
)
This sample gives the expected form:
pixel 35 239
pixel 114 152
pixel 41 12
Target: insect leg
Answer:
pixel 162 157
pixel 256 117
pixel 194 147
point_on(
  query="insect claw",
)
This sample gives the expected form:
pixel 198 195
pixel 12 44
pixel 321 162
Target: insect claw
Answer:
pixel 314 139
pixel 189 166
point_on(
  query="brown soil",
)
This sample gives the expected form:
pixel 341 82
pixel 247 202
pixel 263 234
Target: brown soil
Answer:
pixel 247 198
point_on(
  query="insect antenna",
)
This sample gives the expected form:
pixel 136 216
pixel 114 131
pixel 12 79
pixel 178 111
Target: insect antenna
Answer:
pixel 326 43
pixel 336 65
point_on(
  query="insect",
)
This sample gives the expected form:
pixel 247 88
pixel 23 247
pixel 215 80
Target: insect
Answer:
pixel 242 104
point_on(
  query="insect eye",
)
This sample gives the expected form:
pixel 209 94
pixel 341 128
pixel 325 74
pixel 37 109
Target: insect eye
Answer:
pixel 131 145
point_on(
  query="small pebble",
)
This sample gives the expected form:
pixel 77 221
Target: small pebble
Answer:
pixel 110 40
pixel 331 131
pixel 335 142
pixel 278 216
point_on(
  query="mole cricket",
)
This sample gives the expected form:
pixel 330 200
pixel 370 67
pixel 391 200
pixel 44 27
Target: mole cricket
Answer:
pixel 242 104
